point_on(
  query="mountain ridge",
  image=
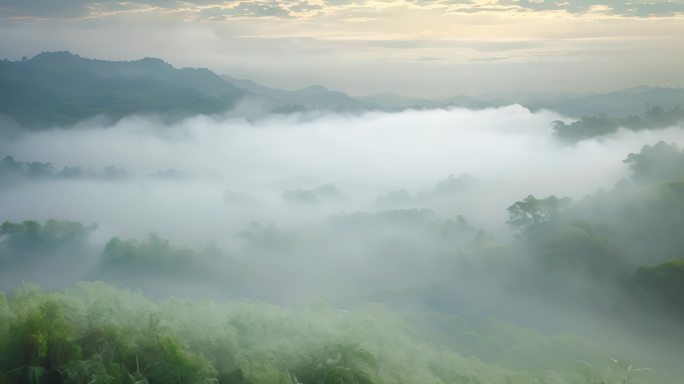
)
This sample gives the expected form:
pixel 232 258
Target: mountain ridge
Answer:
pixel 61 88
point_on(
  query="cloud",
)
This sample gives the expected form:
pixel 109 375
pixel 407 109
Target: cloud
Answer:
pixel 204 9
pixel 45 9
pixel 325 163
pixel 224 9
pixel 365 47
pixel 613 7
pixel 245 9
pixel 403 211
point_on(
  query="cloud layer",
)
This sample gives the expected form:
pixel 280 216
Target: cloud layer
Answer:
pixel 220 10
pixel 221 174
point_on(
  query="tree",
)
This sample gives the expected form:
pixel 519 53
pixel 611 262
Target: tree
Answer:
pixel 338 363
pixel 656 163
pixel 532 211
pixel 662 284
pixel 30 239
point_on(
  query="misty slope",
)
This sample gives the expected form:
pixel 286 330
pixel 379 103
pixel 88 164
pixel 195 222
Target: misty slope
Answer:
pixel 315 96
pixel 587 127
pixel 460 301
pixel 391 101
pixel 60 88
pixel 97 333
pixel 618 104
pixel 614 257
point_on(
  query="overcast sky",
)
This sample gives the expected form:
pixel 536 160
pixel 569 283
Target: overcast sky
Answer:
pixel 421 48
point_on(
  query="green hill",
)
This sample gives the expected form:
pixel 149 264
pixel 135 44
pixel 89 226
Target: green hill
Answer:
pixel 60 88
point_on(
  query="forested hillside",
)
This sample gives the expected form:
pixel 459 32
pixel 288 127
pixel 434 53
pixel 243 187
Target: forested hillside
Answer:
pixel 60 88
pixel 611 257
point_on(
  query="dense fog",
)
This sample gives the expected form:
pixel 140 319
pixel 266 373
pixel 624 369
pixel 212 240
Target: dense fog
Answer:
pixel 341 192
pixel 486 214
pixel 205 178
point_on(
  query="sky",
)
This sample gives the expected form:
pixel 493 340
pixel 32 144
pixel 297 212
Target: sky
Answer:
pixel 418 48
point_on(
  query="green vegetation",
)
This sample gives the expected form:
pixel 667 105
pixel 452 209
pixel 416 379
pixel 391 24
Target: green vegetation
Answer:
pixel 599 125
pixel 661 285
pixel 12 170
pixel 29 240
pixel 616 252
pixel 60 88
pixel 429 299
pixel 95 333
pixel 534 212
pixel 657 163
pixel 151 253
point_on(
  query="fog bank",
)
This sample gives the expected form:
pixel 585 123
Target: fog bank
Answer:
pixel 188 179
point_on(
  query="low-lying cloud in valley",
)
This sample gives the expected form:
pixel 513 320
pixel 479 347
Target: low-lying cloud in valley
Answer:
pixel 373 161
pixel 413 209
pixel 341 192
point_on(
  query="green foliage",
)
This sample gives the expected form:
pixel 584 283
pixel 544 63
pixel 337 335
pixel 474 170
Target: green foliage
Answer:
pixel 59 88
pixel 96 333
pixel 340 363
pixel 581 247
pixel 661 284
pixel 11 169
pixel 615 372
pixel 657 163
pixel 49 340
pixel 150 254
pixel 532 212
pixel 38 339
pixel 599 125
pixel 605 236
pixel 21 242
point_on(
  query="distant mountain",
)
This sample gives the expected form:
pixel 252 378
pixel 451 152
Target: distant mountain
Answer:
pixel 392 101
pixel 60 88
pixel 623 103
pixel 314 97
